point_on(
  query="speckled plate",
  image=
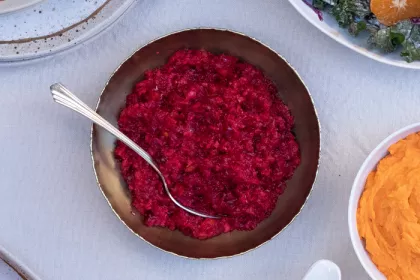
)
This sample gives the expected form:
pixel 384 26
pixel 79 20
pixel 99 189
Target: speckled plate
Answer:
pixel 23 271
pixel 55 25
pixel 7 6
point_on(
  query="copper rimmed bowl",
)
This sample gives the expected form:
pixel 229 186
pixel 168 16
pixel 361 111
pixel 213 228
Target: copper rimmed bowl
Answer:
pixel 291 90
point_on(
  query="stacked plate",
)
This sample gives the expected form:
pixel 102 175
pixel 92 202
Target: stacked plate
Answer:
pixel 12 268
pixel 7 6
pixel 36 28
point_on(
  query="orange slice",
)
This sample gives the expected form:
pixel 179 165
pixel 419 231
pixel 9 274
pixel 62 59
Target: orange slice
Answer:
pixel 389 12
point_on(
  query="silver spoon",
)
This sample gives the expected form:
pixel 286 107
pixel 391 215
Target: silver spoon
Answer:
pixel 64 97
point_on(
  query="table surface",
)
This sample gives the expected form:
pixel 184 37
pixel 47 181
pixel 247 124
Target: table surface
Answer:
pixel 53 216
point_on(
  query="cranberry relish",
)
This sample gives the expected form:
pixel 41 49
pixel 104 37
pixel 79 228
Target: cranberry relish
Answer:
pixel 220 136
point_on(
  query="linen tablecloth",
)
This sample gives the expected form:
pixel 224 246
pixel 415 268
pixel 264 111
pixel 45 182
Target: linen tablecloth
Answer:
pixel 54 217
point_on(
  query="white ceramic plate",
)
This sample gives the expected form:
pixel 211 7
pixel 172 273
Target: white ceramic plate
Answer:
pixel 358 44
pixel 24 272
pixel 358 186
pixel 55 25
pixel 7 273
pixel 7 6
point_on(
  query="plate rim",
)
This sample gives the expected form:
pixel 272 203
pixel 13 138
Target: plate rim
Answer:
pixel 92 34
pixel 20 7
pixel 13 262
pixel 367 53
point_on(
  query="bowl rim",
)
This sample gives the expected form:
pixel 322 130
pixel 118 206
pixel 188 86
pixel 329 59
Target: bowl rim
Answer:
pixel 341 40
pixel 223 30
pixel 357 190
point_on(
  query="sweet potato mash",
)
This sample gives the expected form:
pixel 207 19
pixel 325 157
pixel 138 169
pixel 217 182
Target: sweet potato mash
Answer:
pixel 388 216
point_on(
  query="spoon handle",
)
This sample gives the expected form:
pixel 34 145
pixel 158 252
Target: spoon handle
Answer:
pixel 66 98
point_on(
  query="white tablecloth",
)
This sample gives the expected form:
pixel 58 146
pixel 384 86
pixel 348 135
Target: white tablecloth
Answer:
pixel 52 214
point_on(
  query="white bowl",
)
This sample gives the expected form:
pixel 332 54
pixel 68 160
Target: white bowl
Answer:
pixel 358 186
pixel 359 44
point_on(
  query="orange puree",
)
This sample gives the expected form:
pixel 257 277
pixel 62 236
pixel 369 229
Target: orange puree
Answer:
pixel 388 217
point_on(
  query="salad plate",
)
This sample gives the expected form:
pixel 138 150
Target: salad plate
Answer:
pixel 7 6
pixel 362 43
pixel 55 25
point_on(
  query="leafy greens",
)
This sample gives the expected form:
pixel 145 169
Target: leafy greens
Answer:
pixel 356 16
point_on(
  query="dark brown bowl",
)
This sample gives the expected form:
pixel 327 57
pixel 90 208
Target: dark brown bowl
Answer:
pixel 291 90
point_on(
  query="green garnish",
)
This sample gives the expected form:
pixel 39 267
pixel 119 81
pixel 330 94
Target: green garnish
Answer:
pixel 346 11
pixel 411 46
pixel 319 4
pixel 356 27
pixel 356 16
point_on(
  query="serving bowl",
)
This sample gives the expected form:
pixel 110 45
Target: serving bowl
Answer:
pixel 358 186
pixel 330 27
pixel 291 90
